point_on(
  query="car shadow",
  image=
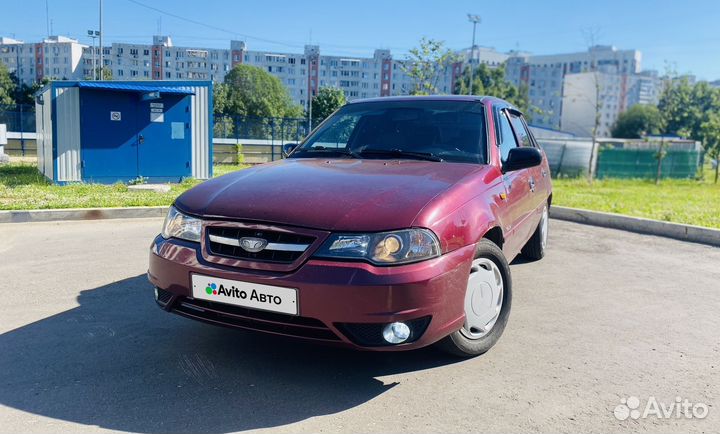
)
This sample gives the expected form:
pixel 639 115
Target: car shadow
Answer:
pixel 521 260
pixel 119 362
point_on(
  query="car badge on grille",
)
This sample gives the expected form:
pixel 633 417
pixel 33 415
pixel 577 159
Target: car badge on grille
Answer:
pixel 253 245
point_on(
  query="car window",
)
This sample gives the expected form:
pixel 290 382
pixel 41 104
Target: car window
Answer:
pixel 520 130
pixel 507 137
pixel 338 136
pixel 450 130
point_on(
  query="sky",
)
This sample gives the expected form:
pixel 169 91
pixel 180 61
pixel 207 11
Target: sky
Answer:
pixel 680 35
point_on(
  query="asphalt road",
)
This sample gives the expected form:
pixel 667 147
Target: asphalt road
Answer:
pixel 605 316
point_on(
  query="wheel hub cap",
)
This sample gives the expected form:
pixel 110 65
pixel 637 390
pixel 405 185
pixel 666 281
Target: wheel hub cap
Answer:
pixel 483 298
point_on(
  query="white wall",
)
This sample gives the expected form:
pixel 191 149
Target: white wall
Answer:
pixel 67 118
pixel 44 135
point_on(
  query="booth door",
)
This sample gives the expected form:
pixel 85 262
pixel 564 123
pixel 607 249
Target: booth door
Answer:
pixel 108 135
pixel 164 149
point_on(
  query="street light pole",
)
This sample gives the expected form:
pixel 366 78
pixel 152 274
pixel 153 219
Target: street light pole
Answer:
pixel 102 66
pixel 18 94
pixel 475 19
pixel 93 34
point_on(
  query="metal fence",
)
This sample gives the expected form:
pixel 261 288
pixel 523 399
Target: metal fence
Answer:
pixel 18 118
pixel 258 139
pixel 260 128
pixel 622 158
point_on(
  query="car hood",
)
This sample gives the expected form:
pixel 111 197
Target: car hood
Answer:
pixel 328 194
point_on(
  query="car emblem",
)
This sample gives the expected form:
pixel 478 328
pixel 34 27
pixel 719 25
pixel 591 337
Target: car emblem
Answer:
pixel 253 245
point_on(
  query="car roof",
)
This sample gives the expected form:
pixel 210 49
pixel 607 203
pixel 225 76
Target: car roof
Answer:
pixel 466 98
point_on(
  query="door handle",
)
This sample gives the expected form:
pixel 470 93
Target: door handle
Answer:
pixel 141 139
pixel 543 172
pixel 532 184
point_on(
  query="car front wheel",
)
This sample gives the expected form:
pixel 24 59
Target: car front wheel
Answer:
pixel 488 297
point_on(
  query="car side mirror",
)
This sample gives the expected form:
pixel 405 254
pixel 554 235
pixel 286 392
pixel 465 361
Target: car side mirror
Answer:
pixel 522 158
pixel 288 148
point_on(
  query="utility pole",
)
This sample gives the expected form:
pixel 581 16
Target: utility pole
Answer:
pixel 47 18
pixel 102 64
pixel 310 113
pixel 93 34
pixel 18 95
pixel 475 19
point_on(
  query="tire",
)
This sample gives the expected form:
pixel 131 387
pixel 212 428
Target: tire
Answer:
pixel 534 250
pixel 463 343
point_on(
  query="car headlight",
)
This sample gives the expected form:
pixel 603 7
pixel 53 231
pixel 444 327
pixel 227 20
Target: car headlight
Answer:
pixel 385 248
pixel 179 225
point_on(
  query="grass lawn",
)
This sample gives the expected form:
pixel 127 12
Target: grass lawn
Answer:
pixel 680 201
pixel 23 187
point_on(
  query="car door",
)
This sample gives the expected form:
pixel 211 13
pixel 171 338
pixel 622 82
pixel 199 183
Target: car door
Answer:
pixel 537 175
pixel 518 204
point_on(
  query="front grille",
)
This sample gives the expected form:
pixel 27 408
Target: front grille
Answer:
pixel 270 322
pixel 268 254
pixel 370 334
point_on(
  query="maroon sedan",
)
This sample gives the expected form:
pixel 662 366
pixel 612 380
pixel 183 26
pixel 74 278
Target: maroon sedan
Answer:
pixel 389 228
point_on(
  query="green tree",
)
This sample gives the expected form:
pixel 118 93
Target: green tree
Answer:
pixel 7 86
pixel 637 121
pixel 326 102
pixel 27 92
pixel 251 91
pixel 224 125
pixel 426 64
pixel 692 111
pixel 492 82
pixel 677 107
pixel 710 134
pixel 220 97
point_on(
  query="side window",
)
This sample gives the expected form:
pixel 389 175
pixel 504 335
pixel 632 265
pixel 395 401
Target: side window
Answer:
pixel 507 137
pixel 522 132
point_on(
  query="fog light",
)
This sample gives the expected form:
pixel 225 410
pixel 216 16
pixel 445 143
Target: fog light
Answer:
pixel 396 333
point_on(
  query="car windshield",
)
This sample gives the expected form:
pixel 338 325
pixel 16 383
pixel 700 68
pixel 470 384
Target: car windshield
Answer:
pixel 422 129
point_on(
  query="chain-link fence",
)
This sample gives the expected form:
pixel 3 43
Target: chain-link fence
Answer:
pixel 18 118
pixel 260 128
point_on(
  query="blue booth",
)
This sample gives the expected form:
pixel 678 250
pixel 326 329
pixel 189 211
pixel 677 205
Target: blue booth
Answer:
pixel 120 131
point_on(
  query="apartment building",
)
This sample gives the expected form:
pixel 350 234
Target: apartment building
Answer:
pixel 559 85
pixel 302 73
pixel 56 57
pixel 616 91
pixel 545 76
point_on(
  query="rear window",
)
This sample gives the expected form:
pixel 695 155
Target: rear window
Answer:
pixel 451 130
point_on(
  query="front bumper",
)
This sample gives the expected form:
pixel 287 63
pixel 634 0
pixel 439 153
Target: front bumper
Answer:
pixel 344 303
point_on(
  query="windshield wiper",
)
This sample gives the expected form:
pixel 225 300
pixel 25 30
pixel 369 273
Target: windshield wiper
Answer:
pixel 327 150
pixel 402 153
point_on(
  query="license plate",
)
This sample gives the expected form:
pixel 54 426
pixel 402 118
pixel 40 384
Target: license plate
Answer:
pixel 245 294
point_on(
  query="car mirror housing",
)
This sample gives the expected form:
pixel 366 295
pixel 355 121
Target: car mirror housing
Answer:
pixel 288 148
pixel 522 158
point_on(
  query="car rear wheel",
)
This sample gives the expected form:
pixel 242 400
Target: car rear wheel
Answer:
pixel 535 247
pixel 488 297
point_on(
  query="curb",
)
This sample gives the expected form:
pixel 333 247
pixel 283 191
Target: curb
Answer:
pixel 50 215
pixel 694 234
